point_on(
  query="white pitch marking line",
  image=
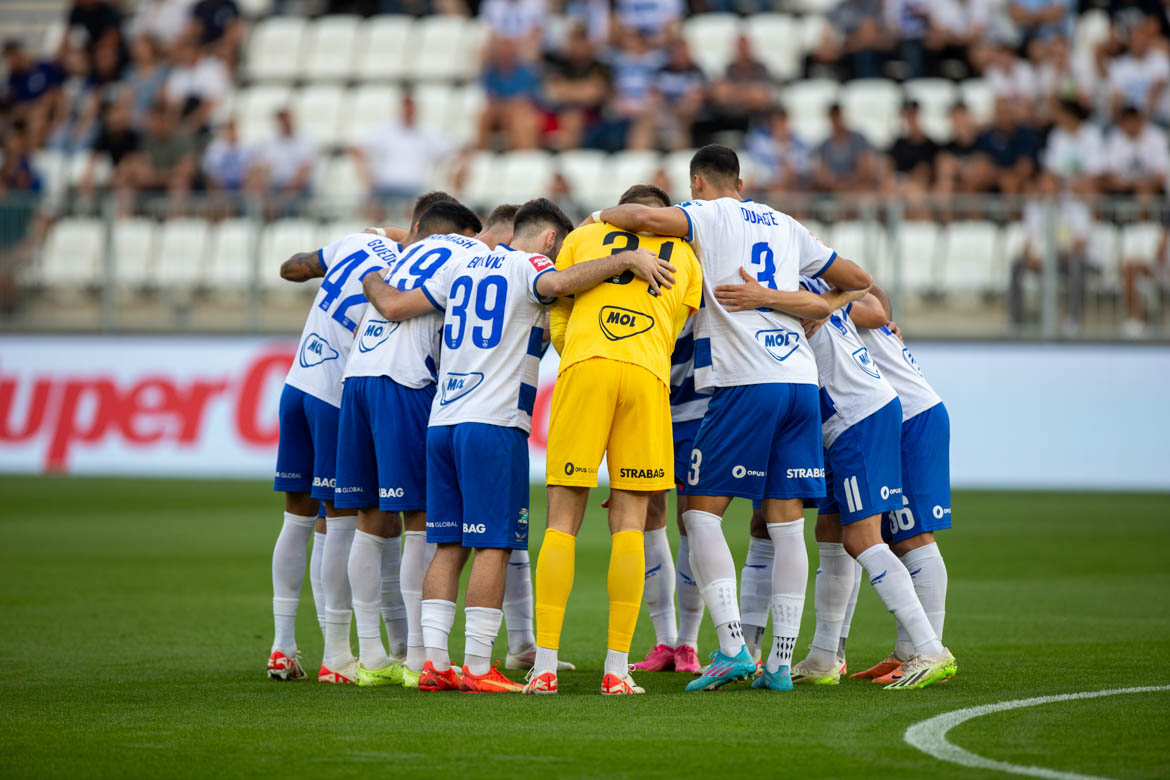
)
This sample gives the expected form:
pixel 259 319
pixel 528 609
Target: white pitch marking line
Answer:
pixel 930 735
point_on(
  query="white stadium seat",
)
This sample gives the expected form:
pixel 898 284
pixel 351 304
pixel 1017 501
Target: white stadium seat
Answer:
pixel 329 232
pixel 774 39
pixel 434 106
pixel 863 242
pixel 366 107
pixel 254 9
pixel 53 168
pixel 275 48
pixel 1092 29
pixel 481 185
pixel 255 109
pixel 339 183
pixel 808 104
pixel 1105 249
pixel 977 95
pixel 972 260
pixel 586 171
pixel 102 169
pixel 383 47
pixel 678 172
pixel 871 107
pixel 233 252
pixel 917 249
pixel 812 30
pixel 627 168
pixel 72 253
pixel 523 175
pixel 445 48
pixel 466 104
pixel 1140 241
pixel 935 97
pixel 317 110
pixel 331 48
pixel 281 240
pixel 135 255
pixel 711 38
pixel 183 252
pixel 814 6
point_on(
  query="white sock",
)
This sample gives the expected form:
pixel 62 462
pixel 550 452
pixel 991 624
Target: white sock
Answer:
pixel 849 609
pixel 414 568
pixel 438 616
pixel 546 660
pixel 834 584
pixel 903 647
pixel 894 587
pixel 755 592
pixel 315 582
pixel 690 601
pixel 789 582
pixel 659 588
pixel 481 629
pixel 714 571
pixel 338 598
pixel 365 580
pixel 928 571
pixel 288 575
pixel 393 609
pixel 518 603
pixel 617 662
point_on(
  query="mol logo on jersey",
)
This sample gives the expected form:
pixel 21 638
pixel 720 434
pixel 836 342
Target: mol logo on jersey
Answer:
pixel 865 363
pixel 455 386
pixel 618 323
pixel 316 350
pixel 375 334
pixel 780 342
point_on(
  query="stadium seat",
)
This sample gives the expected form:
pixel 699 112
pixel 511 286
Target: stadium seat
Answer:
pixel 102 169
pixel 917 248
pixel 52 167
pixel 254 9
pixel 434 103
pixel 812 30
pixel 1092 28
pixel 772 37
pixel 279 241
pixel 72 253
pixel 446 48
pixel 328 232
pixel 135 256
pixel 871 107
pixel 935 97
pixel 275 48
pixel 384 45
pixel 481 186
pixel 807 103
pixel 972 262
pixel 977 95
pixel 814 6
pixel 678 172
pixel 1106 249
pixel 862 241
pixel 255 108
pixel 183 252
pixel 317 109
pixel 366 107
pixel 586 171
pixel 627 168
pixel 712 41
pixel 331 47
pixel 339 184
pixel 466 101
pixel 523 175
pixel 233 251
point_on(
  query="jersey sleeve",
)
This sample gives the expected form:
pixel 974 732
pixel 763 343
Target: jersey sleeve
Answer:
pixel 697 213
pixel 438 287
pixel 328 254
pixel 534 267
pixel 814 256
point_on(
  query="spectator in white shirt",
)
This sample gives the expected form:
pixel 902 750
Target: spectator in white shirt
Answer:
pixel 162 20
pixel 1139 77
pixel 1075 149
pixel 955 26
pixel 516 22
pixel 657 19
pixel 226 167
pixel 196 85
pixel 1012 77
pixel 1136 156
pixel 283 168
pixel 1063 74
pixel 396 160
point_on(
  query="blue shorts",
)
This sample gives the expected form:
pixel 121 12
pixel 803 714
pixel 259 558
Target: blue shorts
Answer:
pixel 381 445
pixel 926 477
pixel 306 457
pixel 684 440
pixel 864 467
pixel 759 441
pixel 477 486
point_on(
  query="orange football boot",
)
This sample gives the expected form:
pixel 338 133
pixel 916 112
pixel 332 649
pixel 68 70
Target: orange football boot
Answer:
pixel 881 670
pixel 493 681
pixel 431 679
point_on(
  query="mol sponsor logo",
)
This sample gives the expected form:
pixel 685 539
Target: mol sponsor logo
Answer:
pixel 375 334
pixel 316 350
pixel 618 323
pixel 455 386
pixel 779 342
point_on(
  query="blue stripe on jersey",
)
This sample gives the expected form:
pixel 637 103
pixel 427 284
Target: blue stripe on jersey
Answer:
pixel 321 258
pixel 434 303
pixel 536 341
pixel 702 353
pixel 684 349
pixel 825 267
pixel 828 408
pixel 540 297
pixel 690 225
pixel 686 392
pixel 527 398
pixel 430 361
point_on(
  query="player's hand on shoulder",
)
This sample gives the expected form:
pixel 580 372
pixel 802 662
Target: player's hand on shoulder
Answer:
pixel 650 268
pixel 741 297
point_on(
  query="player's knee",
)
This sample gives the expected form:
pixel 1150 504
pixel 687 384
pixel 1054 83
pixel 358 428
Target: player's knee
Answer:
pixel 656 513
pixel 415 521
pixel 828 528
pixel 759 525
pixel 913 543
pixel 301 504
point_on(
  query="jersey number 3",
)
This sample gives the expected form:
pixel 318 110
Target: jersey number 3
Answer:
pixel 490 301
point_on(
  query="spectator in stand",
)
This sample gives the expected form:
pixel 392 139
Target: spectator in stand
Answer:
pixel 1139 77
pixel 226 165
pixel 34 89
pixel 516 23
pixel 219 26
pixel 956 27
pixel 1156 268
pixel 1136 156
pixel 744 92
pixel 196 85
pixel 577 86
pixel 168 163
pixel 394 161
pixel 844 161
pixel 98 20
pixel 658 20
pixel 145 78
pixel 912 156
pixel 1074 151
pixel 679 91
pixel 1006 152
pixel 19 190
pixel 161 20
pixel 120 143
pixel 1010 76
pixel 1042 18
pixel 635 65
pixel 780 160
pixel 856 40
pixel 958 171
pixel 283 168
pixel 73 124
pixel 510 86
pixel 910 21
pixel 594 15
pixel 1064 75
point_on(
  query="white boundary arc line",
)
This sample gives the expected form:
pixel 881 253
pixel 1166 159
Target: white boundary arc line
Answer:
pixel 930 735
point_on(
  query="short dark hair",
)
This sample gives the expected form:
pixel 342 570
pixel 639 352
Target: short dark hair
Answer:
pixel 424 202
pixel 644 192
pixel 505 213
pixel 448 216
pixel 541 213
pixel 717 163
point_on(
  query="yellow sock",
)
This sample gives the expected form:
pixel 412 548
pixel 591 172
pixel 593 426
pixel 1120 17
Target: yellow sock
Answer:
pixel 627 577
pixel 552 585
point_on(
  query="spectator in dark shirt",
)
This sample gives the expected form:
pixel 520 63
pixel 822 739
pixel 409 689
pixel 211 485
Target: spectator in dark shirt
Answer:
pixel 19 188
pixel 34 89
pixel 1006 151
pixel 956 167
pixel 856 40
pixel 744 92
pixel 679 89
pixel 576 88
pixel 98 18
pixel 912 162
pixel 220 28
pixel 843 161
pixel 168 162
pixel 510 85
pixel 119 142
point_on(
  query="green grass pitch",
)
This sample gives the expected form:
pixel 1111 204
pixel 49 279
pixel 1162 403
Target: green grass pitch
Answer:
pixel 135 622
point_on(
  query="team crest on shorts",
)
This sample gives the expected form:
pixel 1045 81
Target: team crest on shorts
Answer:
pixel 865 363
pixel 375 334
pixel 780 342
pixel 455 386
pixel 618 323
pixel 316 351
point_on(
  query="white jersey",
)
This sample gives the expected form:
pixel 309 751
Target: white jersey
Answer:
pixel 339 306
pixel 751 347
pixel 901 370
pixel 408 352
pixel 492 337
pixel 686 403
pixel 852 386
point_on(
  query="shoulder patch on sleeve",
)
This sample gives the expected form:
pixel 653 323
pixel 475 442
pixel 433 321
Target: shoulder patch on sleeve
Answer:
pixel 540 262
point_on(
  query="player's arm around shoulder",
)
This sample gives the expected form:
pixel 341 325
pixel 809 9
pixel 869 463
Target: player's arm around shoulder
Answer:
pixel 303 266
pixel 660 220
pixel 752 295
pixel 868 312
pixel 394 304
pixel 582 276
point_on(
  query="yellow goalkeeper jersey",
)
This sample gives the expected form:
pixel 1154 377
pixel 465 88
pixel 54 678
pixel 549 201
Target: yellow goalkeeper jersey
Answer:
pixel 621 319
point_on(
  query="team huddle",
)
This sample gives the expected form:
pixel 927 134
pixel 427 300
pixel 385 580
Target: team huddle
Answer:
pixel 714 346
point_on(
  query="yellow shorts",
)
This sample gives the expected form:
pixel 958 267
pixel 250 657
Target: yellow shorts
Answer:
pixel 608 407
